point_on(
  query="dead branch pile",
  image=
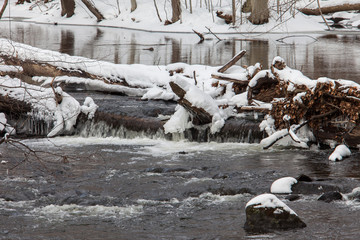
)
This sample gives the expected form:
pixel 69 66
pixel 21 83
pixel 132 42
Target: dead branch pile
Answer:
pixel 331 108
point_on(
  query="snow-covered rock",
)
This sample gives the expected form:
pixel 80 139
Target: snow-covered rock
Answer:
pixel 283 185
pixel 339 153
pixel 266 213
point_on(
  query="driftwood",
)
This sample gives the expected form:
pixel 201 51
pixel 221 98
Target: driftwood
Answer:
pixel 239 86
pixel 232 61
pixel 12 106
pixel 329 109
pixel 331 9
pixel 201 36
pixel 227 17
pixel 200 116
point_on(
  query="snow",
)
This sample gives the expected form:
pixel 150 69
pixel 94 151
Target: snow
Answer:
pixel 339 153
pixel 259 75
pixel 178 122
pixel 4 126
pixel 268 200
pixel 283 185
pixel 89 107
pixel 2 121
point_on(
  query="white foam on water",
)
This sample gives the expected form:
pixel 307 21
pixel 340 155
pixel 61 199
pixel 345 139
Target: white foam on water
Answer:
pixel 23 180
pixel 70 211
pixel 198 180
pixel 153 147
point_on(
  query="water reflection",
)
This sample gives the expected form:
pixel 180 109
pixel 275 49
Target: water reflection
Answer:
pixel 334 56
pixel 67 42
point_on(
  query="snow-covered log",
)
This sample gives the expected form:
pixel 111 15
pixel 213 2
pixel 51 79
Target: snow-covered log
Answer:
pixel 331 8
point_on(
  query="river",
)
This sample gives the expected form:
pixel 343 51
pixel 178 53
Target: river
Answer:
pixel 140 188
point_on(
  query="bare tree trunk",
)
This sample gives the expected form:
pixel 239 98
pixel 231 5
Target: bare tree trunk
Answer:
pixel 157 10
pixel 259 12
pixel 176 10
pixel 93 10
pixel 67 8
pixel 3 8
pixel 233 12
pixel 133 5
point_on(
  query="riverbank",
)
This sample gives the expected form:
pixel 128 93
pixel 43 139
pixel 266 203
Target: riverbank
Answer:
pixel 200 18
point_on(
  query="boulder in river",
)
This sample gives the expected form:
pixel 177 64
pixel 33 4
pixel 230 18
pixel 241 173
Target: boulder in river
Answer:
pixel 330 196
pixel 266 213
pixel 283 185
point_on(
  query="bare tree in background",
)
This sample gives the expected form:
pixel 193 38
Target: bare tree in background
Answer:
pixel 176 10
pixel 3 8
pixel 67 8
pixel 259 12
pixel 133 5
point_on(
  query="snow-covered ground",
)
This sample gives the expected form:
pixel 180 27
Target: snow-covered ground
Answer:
pixel 117 13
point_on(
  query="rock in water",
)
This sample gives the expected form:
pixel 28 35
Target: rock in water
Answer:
pixel 266 213
pixel 283 185
pixel 330 196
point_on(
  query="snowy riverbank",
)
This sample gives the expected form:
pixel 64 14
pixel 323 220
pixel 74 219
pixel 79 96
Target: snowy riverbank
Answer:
pixel 118 14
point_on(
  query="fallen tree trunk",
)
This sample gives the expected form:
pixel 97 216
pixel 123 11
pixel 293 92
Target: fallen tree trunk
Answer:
pixel 331 9
pixel 34 68
pixel 232 61
pixel 200 116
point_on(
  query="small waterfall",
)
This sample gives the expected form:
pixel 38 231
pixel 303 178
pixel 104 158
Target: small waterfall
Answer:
pixel 111 125
pixel 29 126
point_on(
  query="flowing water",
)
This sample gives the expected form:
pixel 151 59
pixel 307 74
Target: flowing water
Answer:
pixel 140 188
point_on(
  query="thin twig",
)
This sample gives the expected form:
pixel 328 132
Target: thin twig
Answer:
pixel 213 34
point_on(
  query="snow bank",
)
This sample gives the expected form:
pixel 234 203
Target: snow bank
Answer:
pixel 268 200
pixel 283 185
pixel 145 16
pixel 339 153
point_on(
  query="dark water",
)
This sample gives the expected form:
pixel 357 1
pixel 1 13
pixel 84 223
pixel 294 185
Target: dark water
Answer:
pixel 333 54
pixel 154 189
pixel 115 188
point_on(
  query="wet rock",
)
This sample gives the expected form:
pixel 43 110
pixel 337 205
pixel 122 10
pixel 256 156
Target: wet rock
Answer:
pixel 155 170
pixel 304 178
pixel 330 196
pixel 292 197
pixel 313 188
pixel 165 170
pixel 220 176
pixel 229 191
pixel 193 193
pixel 266 213
pixel 19 194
